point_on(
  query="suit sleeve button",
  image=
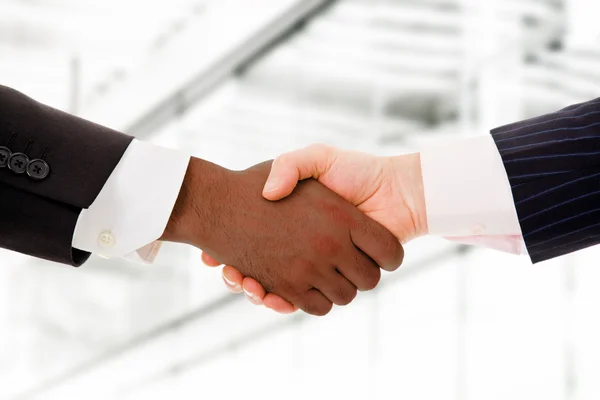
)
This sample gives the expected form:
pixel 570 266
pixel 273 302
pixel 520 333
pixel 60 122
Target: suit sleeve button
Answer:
pixel 38 169
pixel 5 154
pixel 17 163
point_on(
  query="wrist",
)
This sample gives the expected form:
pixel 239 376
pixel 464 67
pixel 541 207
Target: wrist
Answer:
pixel 195 214
pixel 409 179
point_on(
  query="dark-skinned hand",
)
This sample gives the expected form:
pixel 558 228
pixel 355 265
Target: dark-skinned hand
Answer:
pixel 312 248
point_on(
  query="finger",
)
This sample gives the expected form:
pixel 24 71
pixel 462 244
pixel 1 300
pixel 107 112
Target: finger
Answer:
pixel 314 302
pixel 378 243
pixel 360 270
pixel 233 279
pixel 254 291
pixel 209 261
pixel 289 168
pixel 339 290
pixel 279 304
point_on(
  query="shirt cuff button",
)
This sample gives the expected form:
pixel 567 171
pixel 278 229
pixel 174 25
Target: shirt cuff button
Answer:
pixel 106 240
pixel 478 230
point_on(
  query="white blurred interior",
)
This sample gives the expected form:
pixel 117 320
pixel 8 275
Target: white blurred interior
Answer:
pixel 382 76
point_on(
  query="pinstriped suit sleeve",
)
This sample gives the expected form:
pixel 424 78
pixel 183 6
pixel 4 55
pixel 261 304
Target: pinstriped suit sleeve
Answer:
pixel 553 166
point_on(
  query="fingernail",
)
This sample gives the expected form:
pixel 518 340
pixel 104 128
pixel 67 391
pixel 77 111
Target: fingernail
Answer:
pixel 251 296
pixel 230 283
pixel 271 186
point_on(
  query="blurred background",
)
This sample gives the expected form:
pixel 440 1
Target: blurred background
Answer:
pixel 238 82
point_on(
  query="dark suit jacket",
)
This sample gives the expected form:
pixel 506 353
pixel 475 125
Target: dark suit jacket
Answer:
pixel 52 165
pixel 553 165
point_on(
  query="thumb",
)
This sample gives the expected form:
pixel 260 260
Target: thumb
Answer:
pixel 289 168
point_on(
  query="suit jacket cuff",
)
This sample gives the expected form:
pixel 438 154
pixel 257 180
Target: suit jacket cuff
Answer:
pixel 553 167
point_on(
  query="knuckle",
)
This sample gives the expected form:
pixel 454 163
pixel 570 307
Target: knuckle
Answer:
pixel 390 252
pixel 371 279
pixel 368 273
pixel 327 246
pixel 317 308
pixel 398 258
pixel 282 158
pixel 323 309
pixel 345 296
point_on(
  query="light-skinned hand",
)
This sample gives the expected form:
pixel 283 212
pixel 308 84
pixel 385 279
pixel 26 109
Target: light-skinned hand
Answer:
pixel 387 189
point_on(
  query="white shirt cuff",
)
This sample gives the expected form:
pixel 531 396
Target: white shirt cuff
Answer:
pixel 512 244
pixel 467 192
pixel 134 206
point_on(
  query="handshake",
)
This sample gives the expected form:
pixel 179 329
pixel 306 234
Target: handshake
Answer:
pixel 306 231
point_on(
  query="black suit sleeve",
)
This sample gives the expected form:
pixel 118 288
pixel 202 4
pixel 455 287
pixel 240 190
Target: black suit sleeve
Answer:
pixel 52 165
pixel 553 165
